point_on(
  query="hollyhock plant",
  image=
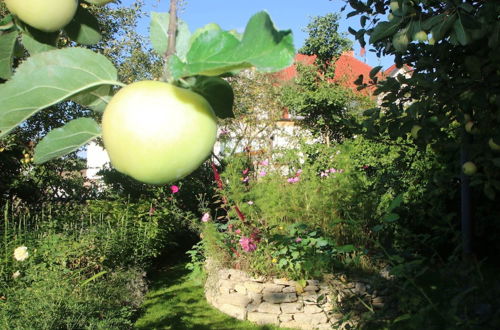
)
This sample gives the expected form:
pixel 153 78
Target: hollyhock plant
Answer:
pixel 247 244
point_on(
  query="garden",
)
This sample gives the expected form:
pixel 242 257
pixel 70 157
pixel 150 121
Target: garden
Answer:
pixel 234 199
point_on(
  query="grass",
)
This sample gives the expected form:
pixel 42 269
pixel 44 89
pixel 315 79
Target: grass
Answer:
pixel 177 302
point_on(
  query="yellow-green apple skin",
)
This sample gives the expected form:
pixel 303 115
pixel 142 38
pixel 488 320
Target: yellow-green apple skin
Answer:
pixel 493 145
pixel 156 132
pixel 45 15
pixel 469 168
pixel 99 2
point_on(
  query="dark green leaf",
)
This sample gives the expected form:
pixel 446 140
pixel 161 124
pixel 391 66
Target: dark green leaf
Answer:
pixel 374 71
pixel 460 31
pixel 96 98
pixel 61 141
pixel 48 78
pixel 218 93
pixel 429 23
pixel 391 217
pixel 83 28
pixel 33 46
pixel 7 46
pixel 440 30
pixel 383 30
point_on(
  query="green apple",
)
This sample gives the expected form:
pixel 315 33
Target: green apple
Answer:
pixel 99 2
pixel 471 128
pixel 469 168
pixel 45 15
pixel 157 132
pixel 400 41
pixel 420 36
pixel 414 131
pixel 394 5
pixel 390 17
pixel 493 145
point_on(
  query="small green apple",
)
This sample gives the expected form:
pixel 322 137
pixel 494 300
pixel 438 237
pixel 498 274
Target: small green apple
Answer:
pixel 45 15
pixel 99 2
pixel 469 168
pixel 420 36
pixel 157 132
pixel 400 41
pixel 394 5
pixel 414 131
pixel 493 145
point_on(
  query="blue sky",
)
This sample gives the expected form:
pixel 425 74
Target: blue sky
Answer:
pixel 286 14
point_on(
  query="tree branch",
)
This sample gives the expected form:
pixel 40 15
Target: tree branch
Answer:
pixel 171 33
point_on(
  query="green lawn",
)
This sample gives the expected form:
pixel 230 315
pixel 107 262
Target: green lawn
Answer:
pixel 177 302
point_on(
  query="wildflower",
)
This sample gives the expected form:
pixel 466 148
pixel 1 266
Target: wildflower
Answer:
pixel 262 173
pixel 21 253
pixel 250 202
pixel 274 260
pixel 245 171
pixel 237 231
pixel 224 132
pixel 245 179
pixel 293 180
pixel 16 274
pixel 247 244
pixel 151 211
pixel 332 170
pixel 324 174
pixel 174 189
pixel 298 240
pixel 206 217
pixel 264 162
pixel 298 172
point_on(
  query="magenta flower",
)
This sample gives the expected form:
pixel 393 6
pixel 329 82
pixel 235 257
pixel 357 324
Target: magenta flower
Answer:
pixel 174 189
pixel 206 217
pixel 293 180
pixel 262 173
pixel 245 171
pixel 247 244
pixel 298 240
pixel 264 162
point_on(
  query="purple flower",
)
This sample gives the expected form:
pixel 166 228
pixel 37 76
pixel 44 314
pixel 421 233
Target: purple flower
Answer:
pixel 174 189
pixel 262 173
pixel 206 217
pixel 264 162
pixel 247 244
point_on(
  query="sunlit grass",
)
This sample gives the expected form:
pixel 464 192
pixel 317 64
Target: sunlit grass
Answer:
pixel 177 302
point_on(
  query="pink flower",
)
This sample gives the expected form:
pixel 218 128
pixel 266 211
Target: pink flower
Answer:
pixel 174 189
pixel 332 170
pixel 247 244
pixel 324 174
pixel 293 180
pixel 245 179
pixel 298 240
pixel 237 231
pixel 206 217
pixel 262 173
pixel 250 202
pixel 224 131
pixel 298 172
pixel 245 171
pixel 151 211
pixel 264 162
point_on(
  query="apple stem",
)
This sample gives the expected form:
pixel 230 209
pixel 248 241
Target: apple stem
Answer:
pixel 172 33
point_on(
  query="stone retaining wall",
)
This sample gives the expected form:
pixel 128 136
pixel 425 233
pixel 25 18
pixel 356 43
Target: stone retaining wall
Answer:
pixel 279 302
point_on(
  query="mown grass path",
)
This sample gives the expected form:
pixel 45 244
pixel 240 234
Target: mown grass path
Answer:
pixel 177 302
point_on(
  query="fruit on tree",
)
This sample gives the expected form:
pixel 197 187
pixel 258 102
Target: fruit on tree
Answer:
pixel 420 36
pixel 469 168
pixel 45 15
pixel 99 2
pixel 493 145
pixel 156 132
pixel 470 127
pixel 394 5
pixel 414 131
pixel 400 41
pixel 390 17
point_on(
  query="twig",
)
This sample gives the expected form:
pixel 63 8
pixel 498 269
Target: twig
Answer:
pixel 172 34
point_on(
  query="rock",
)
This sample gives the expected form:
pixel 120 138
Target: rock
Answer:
pixel 236 274
pixel 226 284
pixel 279 297
pixel 312 309
pixel 263 318
pixel 312 288
pixel 237 312
pixel 290 308
pixel 285 318
pixel 259 279
pixel 312 319
pixel 283 281
pixel 253 286
pixel 267 307
pixel 223 274
pixel 240 289
pixel 313 282
pixel 256 297
pixel 310 298
pixel 295 325
pixel 253 307
pixel 271 287
pixel 224 290
pixel 290 289
pixel 235 299
pixel 359 288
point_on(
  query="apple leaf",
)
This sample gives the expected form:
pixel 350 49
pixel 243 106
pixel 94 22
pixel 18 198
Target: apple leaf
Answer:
pixel 96 98
pixel 384 30
pixel 214 52
pixel 218 93
pixel 33 46
pixel 68 138
pixel 83 28
pixel 159 38
pixel 48 78
pixel 7 46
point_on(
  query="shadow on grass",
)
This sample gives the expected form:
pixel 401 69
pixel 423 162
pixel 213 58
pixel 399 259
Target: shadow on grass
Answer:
pixel 177 302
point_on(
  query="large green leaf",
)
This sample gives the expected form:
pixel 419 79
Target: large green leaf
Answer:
pixel 218 93
pixel 383 30
pixel 48 78
pixel 7 46
pixel 84 28
pixel 440 30
pixel 215 52
pixel 96 98
pixel 66 139
pixel 33 46
pixel 158 29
